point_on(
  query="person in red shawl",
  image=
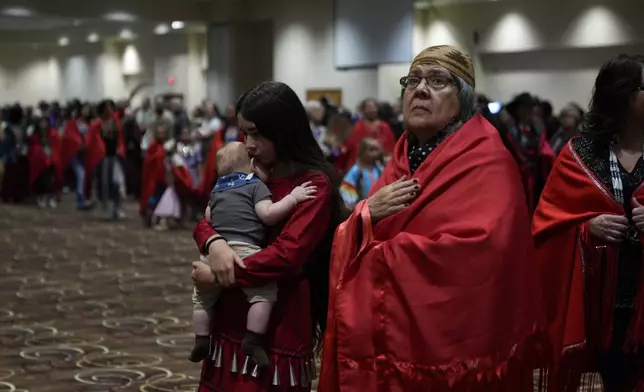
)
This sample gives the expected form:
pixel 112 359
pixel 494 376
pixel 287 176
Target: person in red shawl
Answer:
pixel 153 177
pixel 105 151
pixel 587 231
pixel 433 277
pixel 529 135
pixel 278 136
pixel 368 126
pixel 45 169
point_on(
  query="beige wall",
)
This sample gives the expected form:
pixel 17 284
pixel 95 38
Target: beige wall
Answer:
pixel 551 48
pixel 108 69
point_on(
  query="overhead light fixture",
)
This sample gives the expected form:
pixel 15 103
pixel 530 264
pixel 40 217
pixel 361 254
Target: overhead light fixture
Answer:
pixel 93 37
pixel 63 41
pixel 17 11
pixel 177 24
pixel 126 34
pixel 161 29
pixel 120 16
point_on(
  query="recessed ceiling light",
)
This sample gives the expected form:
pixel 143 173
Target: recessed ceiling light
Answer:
pixel 93 37
pixel 63 41
pixel 126 34
pixel 120 16
pixel 161 29
pixel 17 11
pixel 177 24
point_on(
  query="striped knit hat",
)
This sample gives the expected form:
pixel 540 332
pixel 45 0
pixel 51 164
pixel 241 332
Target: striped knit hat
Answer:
pixel 450 58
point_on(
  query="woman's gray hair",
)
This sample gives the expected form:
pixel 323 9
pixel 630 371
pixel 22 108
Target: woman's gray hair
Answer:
pixel 467 100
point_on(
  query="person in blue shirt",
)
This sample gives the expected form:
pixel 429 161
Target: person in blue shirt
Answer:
pixel 363 175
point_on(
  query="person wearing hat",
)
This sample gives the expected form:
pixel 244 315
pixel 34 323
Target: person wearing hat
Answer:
pixel 433 276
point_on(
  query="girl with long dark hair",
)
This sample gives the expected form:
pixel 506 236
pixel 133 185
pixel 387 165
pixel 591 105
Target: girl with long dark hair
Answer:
pixel 278 136
pixel 588 231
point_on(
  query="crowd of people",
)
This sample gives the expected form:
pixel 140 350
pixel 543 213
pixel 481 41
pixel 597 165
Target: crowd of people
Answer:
pixel 398 237
pixel 108 151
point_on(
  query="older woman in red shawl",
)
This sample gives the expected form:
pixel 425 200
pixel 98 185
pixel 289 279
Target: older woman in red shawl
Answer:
pixel 433 277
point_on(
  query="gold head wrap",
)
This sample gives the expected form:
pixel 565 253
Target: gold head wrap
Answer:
pixel 449 57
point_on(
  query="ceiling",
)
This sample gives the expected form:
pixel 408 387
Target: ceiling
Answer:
pixel 438 3
pixel 44 22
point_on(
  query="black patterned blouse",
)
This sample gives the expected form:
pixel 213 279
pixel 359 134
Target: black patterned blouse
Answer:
pixel 417 153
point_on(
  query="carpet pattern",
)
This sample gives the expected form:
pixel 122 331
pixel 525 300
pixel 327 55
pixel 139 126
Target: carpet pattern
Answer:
pixel 89 305
pixel 93 306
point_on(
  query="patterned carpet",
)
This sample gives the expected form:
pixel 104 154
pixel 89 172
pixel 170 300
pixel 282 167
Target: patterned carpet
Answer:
pixel 93 306
pixel 89 305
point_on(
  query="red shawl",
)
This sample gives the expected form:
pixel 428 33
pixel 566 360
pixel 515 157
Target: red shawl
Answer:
pixel 442 295
pixel 153 174
pixel 39 161
pixel 570 264
pixel 361 130
pixel 183 181
pixel 546 159
pixel 71 142
pixel 96 147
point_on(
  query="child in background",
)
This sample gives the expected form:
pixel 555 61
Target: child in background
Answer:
pixel 363 175
pixel 241 205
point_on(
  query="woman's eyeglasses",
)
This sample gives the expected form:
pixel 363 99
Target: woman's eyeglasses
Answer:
pixel 435 82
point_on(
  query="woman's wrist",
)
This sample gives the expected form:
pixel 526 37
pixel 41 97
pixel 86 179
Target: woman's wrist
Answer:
pixel 212 240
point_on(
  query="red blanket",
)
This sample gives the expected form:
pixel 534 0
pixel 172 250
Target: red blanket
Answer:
pixel 570 264
pixel 153 174
pixel 442 295
pixel 71 142
pixel 532 182
pixel 39 160
pixel 96 147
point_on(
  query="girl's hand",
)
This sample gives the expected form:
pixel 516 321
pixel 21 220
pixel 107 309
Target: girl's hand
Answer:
pixel 222 260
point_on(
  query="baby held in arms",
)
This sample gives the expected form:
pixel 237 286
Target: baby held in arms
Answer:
pixel 240 208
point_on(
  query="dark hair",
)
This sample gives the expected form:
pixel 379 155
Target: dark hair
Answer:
pixel 281 118
pixel 523 99
pixel 15 114
pixel 546 108
pixel 79 111
pixel 365 101
pixel 616 83
pixel 38 120
pixel 103 107
pixel 385 111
